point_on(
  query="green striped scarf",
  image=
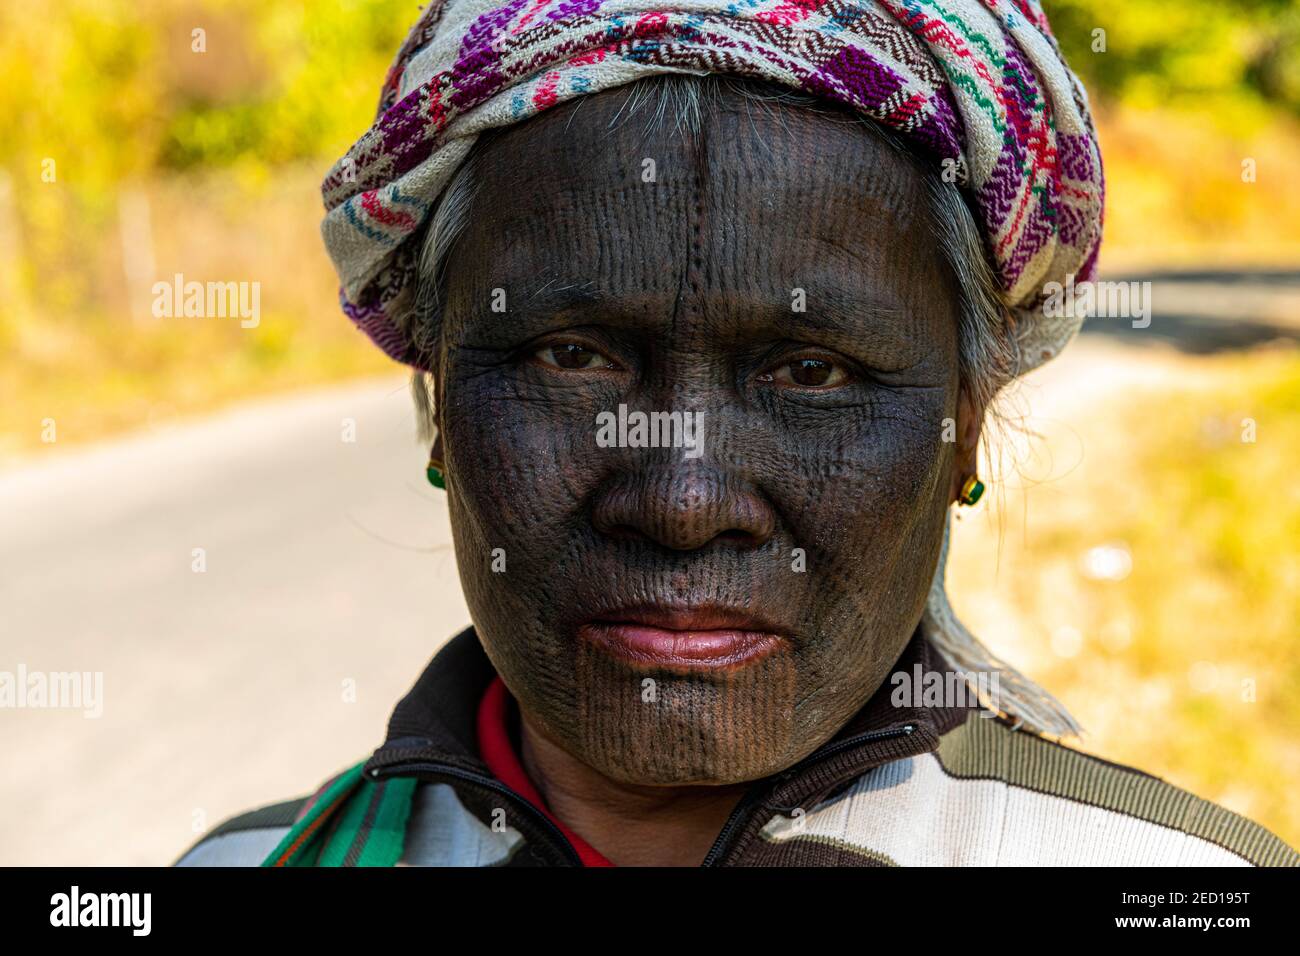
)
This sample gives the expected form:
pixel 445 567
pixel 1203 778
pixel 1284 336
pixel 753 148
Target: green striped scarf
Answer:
pixel 356 821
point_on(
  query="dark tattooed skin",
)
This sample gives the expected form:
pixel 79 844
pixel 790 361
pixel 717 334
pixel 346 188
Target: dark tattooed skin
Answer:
pixel 821 429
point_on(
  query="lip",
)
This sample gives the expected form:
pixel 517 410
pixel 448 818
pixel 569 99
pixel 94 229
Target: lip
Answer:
pixel 704 637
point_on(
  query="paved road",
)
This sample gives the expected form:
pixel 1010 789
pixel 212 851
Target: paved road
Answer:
pixel 1204 311
pixel 328 567
pixel 326 561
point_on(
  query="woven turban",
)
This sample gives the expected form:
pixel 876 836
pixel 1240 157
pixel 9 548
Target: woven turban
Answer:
pixel 976 87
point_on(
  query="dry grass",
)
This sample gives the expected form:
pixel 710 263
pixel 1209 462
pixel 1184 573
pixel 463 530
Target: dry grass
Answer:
pixel 88 353
pixel 1177 641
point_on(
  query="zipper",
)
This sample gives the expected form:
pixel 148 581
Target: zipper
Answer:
pixel 743 810
pixel 738 816
pixel 496 786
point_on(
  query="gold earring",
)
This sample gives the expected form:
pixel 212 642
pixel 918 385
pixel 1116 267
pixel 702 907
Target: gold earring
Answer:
pixel 971 491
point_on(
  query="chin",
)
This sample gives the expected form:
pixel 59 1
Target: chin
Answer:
pixel 662 729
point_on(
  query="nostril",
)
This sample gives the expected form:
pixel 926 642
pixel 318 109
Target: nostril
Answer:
pixel 622 532
pixel 735 536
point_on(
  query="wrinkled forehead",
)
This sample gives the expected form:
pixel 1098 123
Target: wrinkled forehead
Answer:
pixel 621 190
pixel 789 159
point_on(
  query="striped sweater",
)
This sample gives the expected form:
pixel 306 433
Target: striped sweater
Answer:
pixel 898 786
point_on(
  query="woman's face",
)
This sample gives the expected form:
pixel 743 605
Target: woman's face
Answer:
pixel 705 614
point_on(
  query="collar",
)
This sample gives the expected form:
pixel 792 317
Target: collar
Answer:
pixel 498 750
pixel 437 722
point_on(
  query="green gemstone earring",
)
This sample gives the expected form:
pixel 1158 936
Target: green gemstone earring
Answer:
pixel 434 472
pixel 971 491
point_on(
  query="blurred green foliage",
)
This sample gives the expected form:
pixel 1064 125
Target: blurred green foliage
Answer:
pixel 118 88
pixel 1238 57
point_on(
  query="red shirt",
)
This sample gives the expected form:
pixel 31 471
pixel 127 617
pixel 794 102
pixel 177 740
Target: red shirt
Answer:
pixel 499 754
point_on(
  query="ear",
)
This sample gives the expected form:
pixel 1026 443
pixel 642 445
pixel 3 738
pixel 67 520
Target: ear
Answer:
pixel 970 421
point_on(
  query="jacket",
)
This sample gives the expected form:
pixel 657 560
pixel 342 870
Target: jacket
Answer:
pixel 898 785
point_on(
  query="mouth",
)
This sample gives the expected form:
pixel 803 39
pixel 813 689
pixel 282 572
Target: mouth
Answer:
pixel 706 637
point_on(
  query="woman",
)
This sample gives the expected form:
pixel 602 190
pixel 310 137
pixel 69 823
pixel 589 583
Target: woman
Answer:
pixel 707 306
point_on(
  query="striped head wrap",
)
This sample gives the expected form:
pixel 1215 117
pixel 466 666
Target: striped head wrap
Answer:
pixel 976 87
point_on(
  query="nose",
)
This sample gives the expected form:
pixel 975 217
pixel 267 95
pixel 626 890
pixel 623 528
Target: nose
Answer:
pixel 684 507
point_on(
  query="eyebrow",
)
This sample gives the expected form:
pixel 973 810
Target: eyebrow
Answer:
pixel 556 296
pixel 832 310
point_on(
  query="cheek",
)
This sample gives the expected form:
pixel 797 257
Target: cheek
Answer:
pixel 872 513
pixel 512 510
pixel 510 499
pixel 883 469
pixel 518 477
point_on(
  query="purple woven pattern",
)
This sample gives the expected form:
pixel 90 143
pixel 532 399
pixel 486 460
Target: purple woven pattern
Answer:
pixel 974 87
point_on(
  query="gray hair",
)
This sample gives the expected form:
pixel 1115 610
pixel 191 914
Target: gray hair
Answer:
pixel 988 356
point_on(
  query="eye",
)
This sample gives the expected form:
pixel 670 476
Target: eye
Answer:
pixel 572 356
pixel 807 372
